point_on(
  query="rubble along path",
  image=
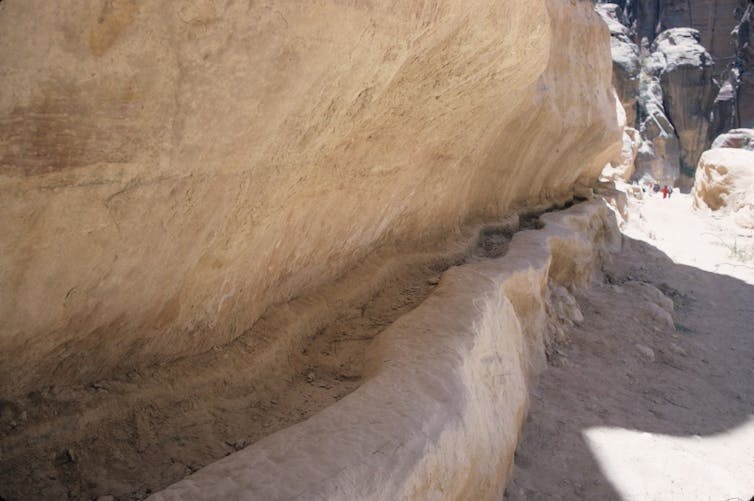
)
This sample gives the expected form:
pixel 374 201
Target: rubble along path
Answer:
pixel 637 405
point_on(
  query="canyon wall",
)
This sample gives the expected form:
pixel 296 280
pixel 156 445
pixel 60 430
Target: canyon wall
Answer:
pixel 169 170
pixel 683 70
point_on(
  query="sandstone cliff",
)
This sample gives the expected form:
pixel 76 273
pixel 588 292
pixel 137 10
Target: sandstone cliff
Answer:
pixel 714 19
pixel 168 170
pixel 699 52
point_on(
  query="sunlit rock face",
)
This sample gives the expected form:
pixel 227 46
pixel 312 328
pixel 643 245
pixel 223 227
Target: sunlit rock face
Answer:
pixel 168 170
pixel 626 64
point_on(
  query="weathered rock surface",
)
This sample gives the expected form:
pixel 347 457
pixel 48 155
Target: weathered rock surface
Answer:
pixel 658 155
pixel 744 68
pixel 685 71
pixel 624 170
pixel 715 55
pixel 724 114
pixel 441 415
pixel 626 65
pixel 736 138
pixel 676 92
pixel 168 170
pixel 725 182
pixel 714 19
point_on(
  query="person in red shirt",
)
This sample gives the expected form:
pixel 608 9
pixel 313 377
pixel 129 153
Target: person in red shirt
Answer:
pixel 665 191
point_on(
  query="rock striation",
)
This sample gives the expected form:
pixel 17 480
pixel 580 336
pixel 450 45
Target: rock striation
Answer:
pixel 169 170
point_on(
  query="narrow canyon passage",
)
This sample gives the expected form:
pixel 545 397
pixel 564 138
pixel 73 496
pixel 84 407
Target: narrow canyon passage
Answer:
pixel 634 406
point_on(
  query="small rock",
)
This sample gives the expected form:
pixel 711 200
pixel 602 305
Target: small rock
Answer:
pixel 646 351
pixel 310 377
pixel 240 444
pixel 677 349
pixel 434 281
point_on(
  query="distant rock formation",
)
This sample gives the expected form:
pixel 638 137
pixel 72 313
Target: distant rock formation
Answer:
pixel 700 53
pixel 743 70
pixel 684 69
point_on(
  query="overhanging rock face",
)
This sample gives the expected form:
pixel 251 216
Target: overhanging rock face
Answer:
pixel 440 416
pixel 168 170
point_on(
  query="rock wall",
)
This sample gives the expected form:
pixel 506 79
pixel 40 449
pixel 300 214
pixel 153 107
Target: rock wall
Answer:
pixel 743 71
pixel 684 70
pixel 714 19
pixel 671 90
pixel 441 414
pixel 724 32
pixel 168 170
pixel 626 63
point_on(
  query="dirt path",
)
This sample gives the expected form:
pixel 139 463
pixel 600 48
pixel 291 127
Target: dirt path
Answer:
pixel 637 407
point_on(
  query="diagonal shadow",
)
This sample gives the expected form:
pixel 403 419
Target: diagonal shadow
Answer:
pixel 696 382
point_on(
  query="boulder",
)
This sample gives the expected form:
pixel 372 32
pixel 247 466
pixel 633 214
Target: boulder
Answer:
pixel 725 182
pixel 736 138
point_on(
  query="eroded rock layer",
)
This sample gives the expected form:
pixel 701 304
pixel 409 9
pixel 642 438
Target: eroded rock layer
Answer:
pixel 441 414
pixel 168 170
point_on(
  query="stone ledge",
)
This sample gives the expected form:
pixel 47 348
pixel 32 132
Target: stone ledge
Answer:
pixel 440 416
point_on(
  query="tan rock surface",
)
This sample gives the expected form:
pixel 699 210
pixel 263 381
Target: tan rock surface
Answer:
pixel 725 181
pixel 168 170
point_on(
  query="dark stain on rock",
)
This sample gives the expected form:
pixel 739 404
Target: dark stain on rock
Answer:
pixel 113 19
pixel 70 126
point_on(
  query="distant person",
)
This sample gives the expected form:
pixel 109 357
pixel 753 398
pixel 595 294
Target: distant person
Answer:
pixel 670 191
pixel 665 191
pixel 657 188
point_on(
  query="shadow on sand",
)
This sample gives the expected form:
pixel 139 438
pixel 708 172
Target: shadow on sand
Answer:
pixel 694 380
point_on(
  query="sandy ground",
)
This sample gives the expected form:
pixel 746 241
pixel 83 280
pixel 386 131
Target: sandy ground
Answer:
pixel 635 406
